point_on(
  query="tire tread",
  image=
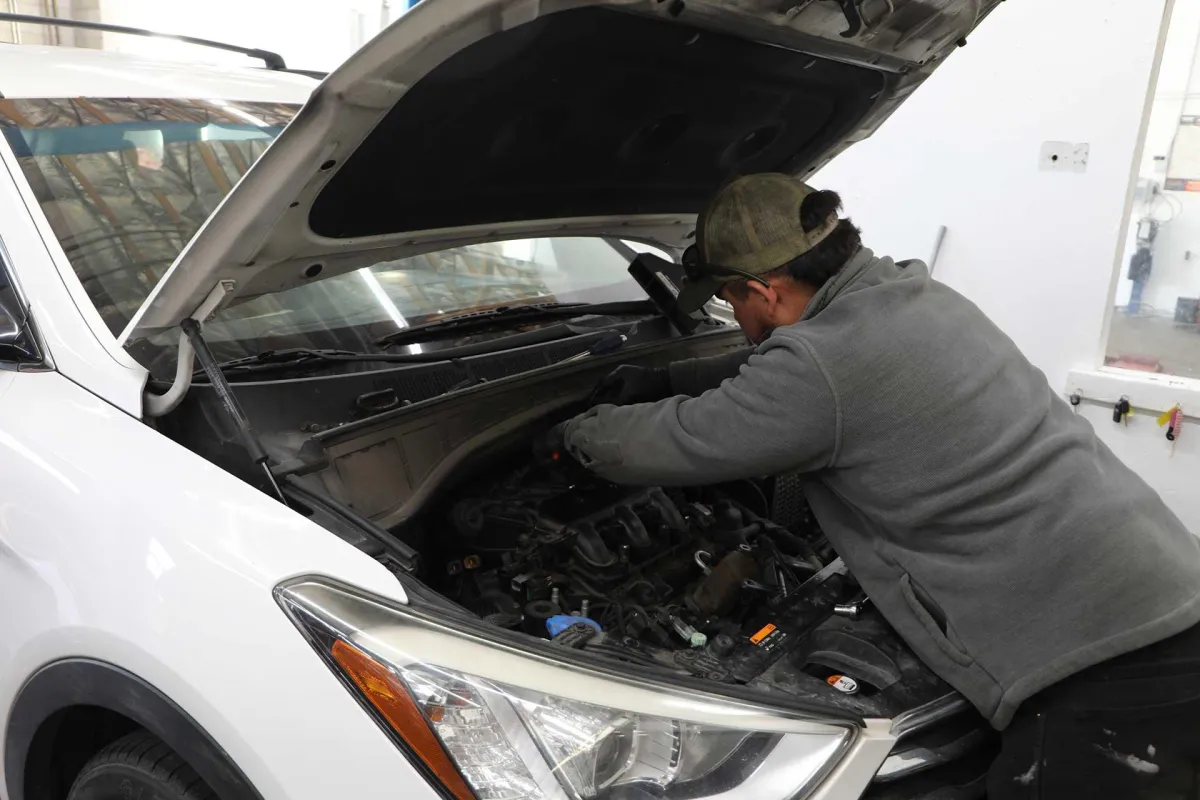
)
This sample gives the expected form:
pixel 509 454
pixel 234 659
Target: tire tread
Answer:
pixel 147 753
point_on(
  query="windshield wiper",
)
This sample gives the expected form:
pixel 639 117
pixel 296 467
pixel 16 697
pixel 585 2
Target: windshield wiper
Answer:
pixel 504 316
pixel 301 357
pixel 304 356
pixel 289 356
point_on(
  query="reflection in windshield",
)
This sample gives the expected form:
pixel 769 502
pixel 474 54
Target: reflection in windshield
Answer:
pixel 375 301
pixel 394 292
pixel 125 183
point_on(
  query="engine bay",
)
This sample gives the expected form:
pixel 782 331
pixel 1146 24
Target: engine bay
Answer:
pixel 733 584
pixel 699 581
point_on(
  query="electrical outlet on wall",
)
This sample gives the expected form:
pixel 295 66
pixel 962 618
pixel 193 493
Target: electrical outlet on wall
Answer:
pixel 1064 157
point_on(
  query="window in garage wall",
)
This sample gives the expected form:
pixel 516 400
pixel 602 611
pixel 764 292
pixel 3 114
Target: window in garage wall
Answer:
pixel 1156 320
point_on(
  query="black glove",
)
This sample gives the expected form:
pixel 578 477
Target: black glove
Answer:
pixel 628 384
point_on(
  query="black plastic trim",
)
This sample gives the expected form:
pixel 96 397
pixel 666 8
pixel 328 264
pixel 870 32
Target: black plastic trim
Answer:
pixel 408 559
pixel 30 352
pixel 85 682
pixel 273 61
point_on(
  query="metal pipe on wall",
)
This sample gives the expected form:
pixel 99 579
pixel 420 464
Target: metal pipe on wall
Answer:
pixel 937 249
pixel 16 27
pixel 50 9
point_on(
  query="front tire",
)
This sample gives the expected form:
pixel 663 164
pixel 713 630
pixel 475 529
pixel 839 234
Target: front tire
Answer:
pixel 138 767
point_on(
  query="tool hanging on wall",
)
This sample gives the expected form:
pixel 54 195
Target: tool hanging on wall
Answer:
pixel 1173 419
pixel 1122 411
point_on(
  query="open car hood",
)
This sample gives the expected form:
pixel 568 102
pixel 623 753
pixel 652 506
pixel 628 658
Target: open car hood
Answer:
pixel 475 120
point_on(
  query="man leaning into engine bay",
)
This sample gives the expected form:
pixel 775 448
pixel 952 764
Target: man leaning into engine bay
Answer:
pixel 1008 546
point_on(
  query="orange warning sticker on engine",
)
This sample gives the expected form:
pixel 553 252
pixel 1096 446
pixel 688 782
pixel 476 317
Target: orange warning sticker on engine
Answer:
pixel 766 631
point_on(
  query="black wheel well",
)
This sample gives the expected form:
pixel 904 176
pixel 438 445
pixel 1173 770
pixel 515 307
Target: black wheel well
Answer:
pixel 64 742
pixel 68 710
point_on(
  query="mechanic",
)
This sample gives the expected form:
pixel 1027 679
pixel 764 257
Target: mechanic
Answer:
pixel 1019 558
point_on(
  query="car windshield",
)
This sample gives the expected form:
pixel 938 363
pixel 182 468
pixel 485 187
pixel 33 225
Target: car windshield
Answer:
pixel 125 183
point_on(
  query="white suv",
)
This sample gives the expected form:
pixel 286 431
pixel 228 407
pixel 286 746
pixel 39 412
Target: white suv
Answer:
pixel 272 353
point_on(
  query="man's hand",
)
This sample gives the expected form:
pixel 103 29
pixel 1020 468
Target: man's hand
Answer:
pixel 551 454
pixel 550 448
pixel 627 385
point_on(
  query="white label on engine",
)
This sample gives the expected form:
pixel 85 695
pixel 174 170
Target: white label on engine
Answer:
pixel 844 683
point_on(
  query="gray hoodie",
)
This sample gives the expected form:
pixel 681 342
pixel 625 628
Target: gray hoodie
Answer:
pixel 994 531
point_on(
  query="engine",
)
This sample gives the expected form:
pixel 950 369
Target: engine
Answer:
pixel 701 582
pixel 639 571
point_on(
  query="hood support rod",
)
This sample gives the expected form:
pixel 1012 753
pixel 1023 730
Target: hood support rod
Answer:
pixel 233 409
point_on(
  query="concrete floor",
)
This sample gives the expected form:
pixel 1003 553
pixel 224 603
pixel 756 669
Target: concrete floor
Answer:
pixel 1175 347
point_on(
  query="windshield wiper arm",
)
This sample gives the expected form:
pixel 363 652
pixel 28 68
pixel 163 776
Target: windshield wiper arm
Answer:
pixel 476 321
pixel 294 355
pixel 300 357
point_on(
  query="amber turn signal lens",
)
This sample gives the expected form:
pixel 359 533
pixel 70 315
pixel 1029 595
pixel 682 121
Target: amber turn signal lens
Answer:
pixel 394 702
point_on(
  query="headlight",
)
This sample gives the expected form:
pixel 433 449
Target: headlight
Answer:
pixel 489 721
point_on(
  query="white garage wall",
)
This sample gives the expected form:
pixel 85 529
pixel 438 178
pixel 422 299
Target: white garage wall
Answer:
pixel 20 33
pixel 1036 250
pixel 309 34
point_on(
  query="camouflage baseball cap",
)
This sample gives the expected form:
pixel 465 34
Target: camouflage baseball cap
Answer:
pixel 749 228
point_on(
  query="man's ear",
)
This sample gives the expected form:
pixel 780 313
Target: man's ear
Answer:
pixel 769 295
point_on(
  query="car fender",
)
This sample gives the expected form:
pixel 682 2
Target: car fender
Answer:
pixel 119 547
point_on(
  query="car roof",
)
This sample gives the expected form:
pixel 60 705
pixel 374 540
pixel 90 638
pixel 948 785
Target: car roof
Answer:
pixel 28 71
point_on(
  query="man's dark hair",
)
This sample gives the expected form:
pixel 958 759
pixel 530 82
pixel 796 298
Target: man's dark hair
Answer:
pixel 826 259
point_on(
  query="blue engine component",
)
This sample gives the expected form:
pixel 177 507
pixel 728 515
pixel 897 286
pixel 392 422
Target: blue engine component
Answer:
pixel 560 622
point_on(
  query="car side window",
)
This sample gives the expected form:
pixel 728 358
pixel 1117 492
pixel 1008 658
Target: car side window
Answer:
pixel 18 342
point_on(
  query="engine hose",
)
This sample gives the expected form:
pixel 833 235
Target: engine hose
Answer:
pixel 640 582
pixel 623 653
pixel 652 625
pixel 794 544
pixel 760 496
pixel 589 588
pixel 621 619
pixel 743 534
pixel 797 545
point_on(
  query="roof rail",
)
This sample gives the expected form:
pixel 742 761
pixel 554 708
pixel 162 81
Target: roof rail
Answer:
pixel 272 60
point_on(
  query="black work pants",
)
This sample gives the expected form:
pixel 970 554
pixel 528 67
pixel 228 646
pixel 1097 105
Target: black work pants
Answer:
pixel 1126 728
